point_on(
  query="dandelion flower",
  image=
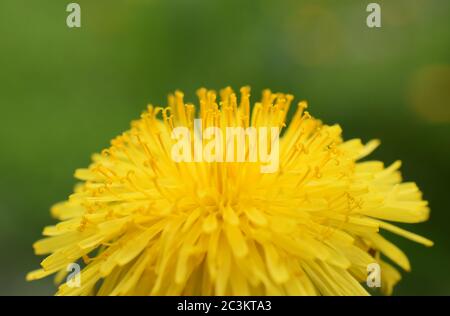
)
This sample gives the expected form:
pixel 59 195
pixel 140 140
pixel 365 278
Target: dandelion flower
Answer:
pixel 140 223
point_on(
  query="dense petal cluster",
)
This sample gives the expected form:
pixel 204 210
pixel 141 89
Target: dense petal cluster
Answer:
pixel 142 224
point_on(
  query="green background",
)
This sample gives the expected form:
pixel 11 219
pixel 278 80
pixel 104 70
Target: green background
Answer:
pixel 64 93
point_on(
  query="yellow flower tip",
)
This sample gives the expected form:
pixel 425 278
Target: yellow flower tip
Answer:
pixel 373 144
pixel 429 243
pixel 36 249
pixel 303 105
pixel 141 222
pixel 31 276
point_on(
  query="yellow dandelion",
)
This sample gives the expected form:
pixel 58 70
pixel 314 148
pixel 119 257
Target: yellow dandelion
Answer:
pixel 142 223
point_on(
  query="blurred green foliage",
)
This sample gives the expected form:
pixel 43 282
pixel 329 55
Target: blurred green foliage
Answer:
pixel 64 93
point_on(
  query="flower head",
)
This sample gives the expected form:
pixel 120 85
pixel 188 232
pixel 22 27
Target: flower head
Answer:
pixel 142 223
